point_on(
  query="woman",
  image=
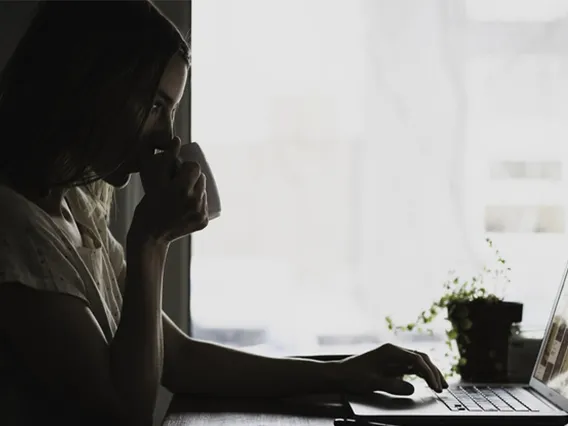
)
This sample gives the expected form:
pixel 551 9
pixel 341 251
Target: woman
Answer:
pixel 88 98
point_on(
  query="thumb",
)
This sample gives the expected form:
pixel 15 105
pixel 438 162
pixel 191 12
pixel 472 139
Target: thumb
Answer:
pixel 170 151
pixel 395 386
pixel 175 146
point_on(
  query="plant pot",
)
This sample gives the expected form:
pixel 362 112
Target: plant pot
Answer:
pixel 483 328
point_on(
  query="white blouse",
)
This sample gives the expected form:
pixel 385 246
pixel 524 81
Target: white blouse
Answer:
pixel 35 252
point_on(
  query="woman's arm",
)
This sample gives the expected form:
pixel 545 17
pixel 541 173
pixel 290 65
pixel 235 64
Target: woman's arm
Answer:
pixel 63 349
pixel 202 368
pixel 136 352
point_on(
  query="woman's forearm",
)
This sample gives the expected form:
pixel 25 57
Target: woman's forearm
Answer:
pixel 136 352
pixel 209 369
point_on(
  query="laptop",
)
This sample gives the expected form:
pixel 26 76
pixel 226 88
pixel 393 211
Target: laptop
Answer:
pixel 544 400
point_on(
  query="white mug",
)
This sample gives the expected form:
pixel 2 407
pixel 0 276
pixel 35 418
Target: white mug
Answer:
pixel 193 152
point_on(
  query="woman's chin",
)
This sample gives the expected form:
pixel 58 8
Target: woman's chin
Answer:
pixel 117 179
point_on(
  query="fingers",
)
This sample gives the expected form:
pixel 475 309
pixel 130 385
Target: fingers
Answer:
pixel 176 145
pixel 416 364
pixel 435 369
pixel 205 205
pixel 200 194
pixel 194 185
pixel 188 175
pixel 200 218
pixel 422 369
pixel 199 189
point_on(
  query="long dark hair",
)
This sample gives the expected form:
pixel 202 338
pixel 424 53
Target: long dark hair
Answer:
pixel 83 77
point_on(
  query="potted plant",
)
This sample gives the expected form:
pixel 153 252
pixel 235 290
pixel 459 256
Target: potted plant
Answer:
pixel 481 323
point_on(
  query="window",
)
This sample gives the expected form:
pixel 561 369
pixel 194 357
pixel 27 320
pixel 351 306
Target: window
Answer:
pixel 363 149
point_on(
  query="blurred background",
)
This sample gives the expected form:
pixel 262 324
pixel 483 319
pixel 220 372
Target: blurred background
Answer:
pixel 362 149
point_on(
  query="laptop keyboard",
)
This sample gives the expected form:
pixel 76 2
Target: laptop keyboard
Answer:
pixel 482 398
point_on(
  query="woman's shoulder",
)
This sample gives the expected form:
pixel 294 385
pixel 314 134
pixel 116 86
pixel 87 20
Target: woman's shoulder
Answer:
pixel 32 250
pixel 24 226
pixel 17 212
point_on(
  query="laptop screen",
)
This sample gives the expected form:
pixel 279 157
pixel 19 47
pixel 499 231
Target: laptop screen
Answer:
pixel 552 367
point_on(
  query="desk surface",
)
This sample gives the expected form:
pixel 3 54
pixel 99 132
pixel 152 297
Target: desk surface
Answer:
pixel 312 411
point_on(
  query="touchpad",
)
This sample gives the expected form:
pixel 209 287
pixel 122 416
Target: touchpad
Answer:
pixel 393 402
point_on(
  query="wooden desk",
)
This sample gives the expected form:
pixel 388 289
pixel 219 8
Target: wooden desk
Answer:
pixel 312 411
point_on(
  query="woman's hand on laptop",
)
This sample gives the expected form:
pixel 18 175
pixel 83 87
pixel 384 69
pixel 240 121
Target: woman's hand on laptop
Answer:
pixel 383 369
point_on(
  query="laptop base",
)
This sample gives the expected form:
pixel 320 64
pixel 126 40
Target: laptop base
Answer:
pixel 425 407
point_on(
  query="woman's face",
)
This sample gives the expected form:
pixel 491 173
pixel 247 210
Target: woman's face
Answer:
pixel 157 132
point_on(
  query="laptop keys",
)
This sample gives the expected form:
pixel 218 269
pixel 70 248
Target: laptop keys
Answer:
pixel 520 396
pixel 497 402
pixel 451 402
pixel 472 398
pixel 473 401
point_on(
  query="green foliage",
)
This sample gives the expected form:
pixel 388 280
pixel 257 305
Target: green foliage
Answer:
pixel 457 289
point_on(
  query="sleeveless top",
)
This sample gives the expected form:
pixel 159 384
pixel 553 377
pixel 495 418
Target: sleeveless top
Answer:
pixel 35 252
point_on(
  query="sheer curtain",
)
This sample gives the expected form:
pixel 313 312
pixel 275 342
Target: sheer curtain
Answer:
pixel 363 148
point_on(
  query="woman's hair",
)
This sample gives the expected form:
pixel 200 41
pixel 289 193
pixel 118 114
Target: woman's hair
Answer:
pixel 82 79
